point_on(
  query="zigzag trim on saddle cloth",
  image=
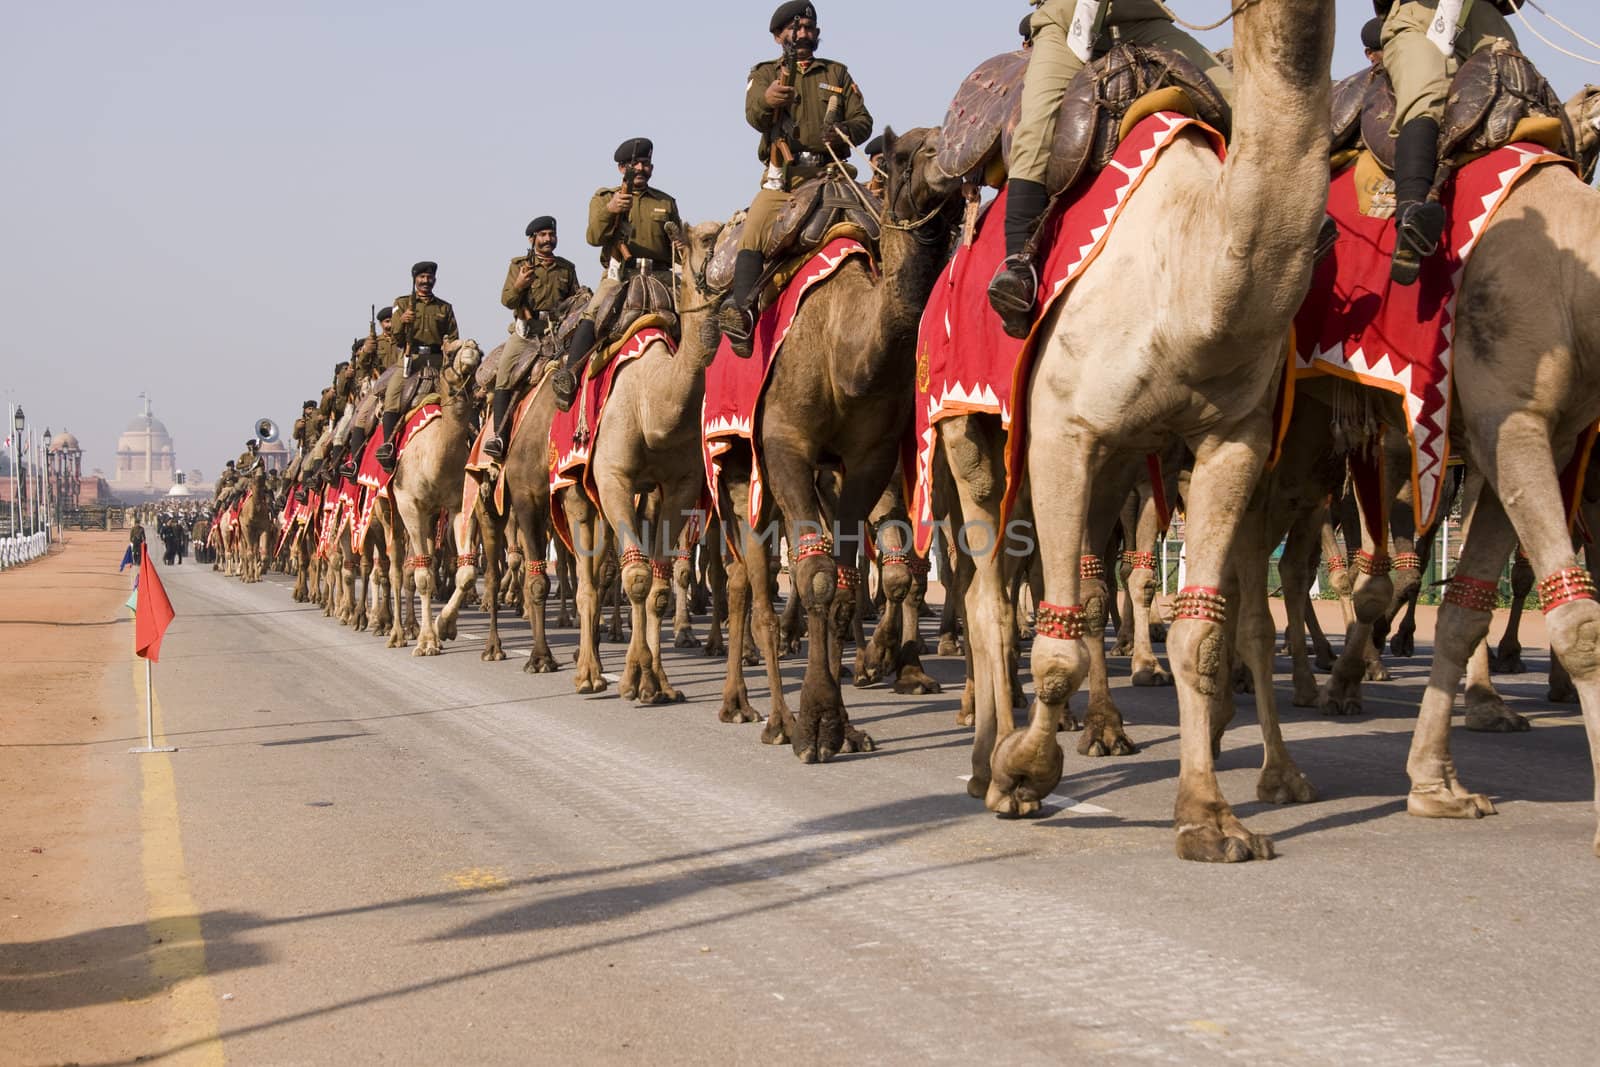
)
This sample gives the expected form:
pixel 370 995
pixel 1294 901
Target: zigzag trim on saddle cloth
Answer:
pixel 1402 342
pixel 734 386
pixel 373 479
pixel 966 363
pixel 333 512
pixel 572 432
pixel 478 464
pixel 651 321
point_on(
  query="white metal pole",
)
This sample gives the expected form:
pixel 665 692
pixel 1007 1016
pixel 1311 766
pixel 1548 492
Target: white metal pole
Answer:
pixel 149 708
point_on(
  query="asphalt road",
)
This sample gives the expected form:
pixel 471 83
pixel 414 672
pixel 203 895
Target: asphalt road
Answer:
pixel 442 860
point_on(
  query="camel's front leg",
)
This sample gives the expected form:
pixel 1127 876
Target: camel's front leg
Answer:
pixel 1227 465
pixel 421 567
pixel 682 583
pixel 1295 568
pixel 1372 596
pixel 1486 710
pixel 399 601
pixel 589 538
pixel 1141 582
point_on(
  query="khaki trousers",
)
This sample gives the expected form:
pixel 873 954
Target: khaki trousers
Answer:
pixel 759 219
pixel 516 347
pixel 1052 66
pixel 1421 73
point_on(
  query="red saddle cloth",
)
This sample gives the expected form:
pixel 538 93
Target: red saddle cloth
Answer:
pixel 732 408
pixel 1356 324
pixel 966 363
pixel 572 432
pixel 357 499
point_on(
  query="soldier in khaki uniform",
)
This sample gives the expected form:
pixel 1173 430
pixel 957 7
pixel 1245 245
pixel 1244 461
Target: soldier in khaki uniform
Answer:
pixel 802 106
pixel 873 150
pixel 628 224
pixel 535 286
pixel 1420 66
pixel 426 323
pixel 374 357
pixel 1052 64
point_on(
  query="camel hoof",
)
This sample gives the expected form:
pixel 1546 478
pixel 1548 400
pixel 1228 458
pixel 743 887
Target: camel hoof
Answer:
pixel 858 741
pixel 1339 706
pixel 1507 663
pixel 492 655
pixel 751 658
pixel 425 650
pixel 1305 695
pixel 686 639
pixel 774 733
pixel 1566 693
pixel 737 711
pixel 966 717
pixel 1123 647
pixel 1441 802
pixel 1324 660
pixel 1022 772
pixel 978 788
pixel 1376 672
pixel 1403 645
pixel 949 646
pixel 1493 717
pixel 540 665
pixel 914 683
pixel 614 635
pixel 809 755
pixel 1284 785
pixel 1209 843
pixel 588 686
pixel 714 648
pixel 1151 677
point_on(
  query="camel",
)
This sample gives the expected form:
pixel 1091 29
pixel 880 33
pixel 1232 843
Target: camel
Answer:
pixel 837 401
pixel 427 483
pixel 255 526
pixel 1223 253
pixel 647 445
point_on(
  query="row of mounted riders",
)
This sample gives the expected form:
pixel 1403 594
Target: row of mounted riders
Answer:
pixel 1498 100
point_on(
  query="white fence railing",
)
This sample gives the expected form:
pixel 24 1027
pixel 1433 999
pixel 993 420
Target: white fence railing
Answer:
pixel 20 549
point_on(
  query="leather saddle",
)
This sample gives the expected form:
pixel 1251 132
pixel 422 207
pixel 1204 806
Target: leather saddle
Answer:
pixel 1102 104
pixel 625 312
pixel 549 342
pixel 818 210
pixel 1496 98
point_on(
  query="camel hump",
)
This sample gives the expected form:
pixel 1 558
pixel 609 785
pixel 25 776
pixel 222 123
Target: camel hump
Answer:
pixel 1497 98
pixel 1101 104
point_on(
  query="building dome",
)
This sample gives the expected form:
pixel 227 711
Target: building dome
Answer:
pixel 147 462
pixel 64 442
pixel 143 424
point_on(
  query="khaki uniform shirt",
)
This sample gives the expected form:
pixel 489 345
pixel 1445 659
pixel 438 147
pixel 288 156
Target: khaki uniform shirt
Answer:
pixel 1117 11
pixel 643 229
pixel 821 82
pixel 388 353
pixel 435 321
pixel 552 283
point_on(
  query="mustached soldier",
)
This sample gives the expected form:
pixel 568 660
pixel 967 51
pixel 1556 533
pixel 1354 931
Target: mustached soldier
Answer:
pixel 628 224
pixel 1053 61
pixel 535 286
pixel 802 106
pixel 426 323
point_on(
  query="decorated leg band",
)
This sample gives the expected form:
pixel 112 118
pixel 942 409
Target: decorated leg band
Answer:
pixel 1058 621
pixel 661 569
pixel 1372 562
pixel 1090 567
pixel 811 545
pixel 896 558
pixel 1200 602
pixel 918 566
pixel 1565 586
pixel 419 563
pixel 467 559
pixel 632 556
pixel 1472 594
pixel 537 568
pixel 681 553
pixel 1141 560
pixel 1335 564
pixel 849 578
pixel 1408 561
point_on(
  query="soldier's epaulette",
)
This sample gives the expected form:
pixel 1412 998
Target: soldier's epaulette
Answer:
pixel 606 191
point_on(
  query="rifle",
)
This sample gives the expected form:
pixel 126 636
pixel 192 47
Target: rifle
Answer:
pixel 372 336
pixel 783 130
pixel 630 171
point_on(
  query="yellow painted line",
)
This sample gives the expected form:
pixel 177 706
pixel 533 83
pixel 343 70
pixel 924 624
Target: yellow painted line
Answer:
pixel 480 879
pixel 177 947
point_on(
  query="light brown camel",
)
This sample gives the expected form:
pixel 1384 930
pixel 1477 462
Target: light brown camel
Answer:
pixel 646 448
pixel 1223 255
pixel 427 484
pixel 837 401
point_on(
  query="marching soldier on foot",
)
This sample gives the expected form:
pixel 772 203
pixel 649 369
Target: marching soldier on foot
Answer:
pixel 628 223
pixel 1054 59
pixel 1424 43
pixel 535 286
pixel 426 323
pixel 802 106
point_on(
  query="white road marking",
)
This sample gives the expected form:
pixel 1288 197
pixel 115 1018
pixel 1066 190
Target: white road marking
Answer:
pixel 1064 802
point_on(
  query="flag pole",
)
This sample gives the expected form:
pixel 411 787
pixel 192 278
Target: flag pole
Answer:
pixel 149 745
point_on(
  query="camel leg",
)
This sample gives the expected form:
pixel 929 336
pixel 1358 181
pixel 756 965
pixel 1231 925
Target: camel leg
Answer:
pixel 793 627
pixel 1295 568
pixel 397 579
pixel 566 585
pixel 1507 657
pixel 492 530
pixel 1140 583
pixel 1373 594
pixel 589 537
pixel 760 621
pixel 682 580
pixel 531 511
pixel 713 558
pixel 469 527
pixel 1486 710
pixel 736 705
pixel 419 529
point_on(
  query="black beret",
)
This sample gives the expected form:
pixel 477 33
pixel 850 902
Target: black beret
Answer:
pixel 788 12
pixel 874 147
pixel 1372 35
pixel 355 345
pixel 635 148
pixel 1025 27
pixel 426 266
pixel 385 313
pixel 543 222
pixel 308 404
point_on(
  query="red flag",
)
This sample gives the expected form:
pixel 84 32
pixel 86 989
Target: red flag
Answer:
pixel 154 613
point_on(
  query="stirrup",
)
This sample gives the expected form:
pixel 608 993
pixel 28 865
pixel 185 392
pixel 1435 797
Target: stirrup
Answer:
pixel 564 384
pixel 494 448
pixel 1327 237
pixel 385 456
pixel 739 326
pixel 1013 292
pixel 1418 228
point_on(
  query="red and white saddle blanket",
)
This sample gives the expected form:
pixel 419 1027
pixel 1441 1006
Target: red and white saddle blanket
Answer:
pixel 1356 324
pixel 732 408
pixel 572 432
pixel 359 498
pixel 966 363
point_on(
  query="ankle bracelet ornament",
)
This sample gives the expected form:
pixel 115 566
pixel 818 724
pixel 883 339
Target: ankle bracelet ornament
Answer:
pixel 848 578
pixel 895 558
pixel 1140 560
pixel 467 559
pixel 1565 586
pixel 810 546
pixel 1060 621
pixel 419 563
pixel 1372 563
pixel 1407 561
pixel 661 569
pixel 537 568
pixel 1090 568
pixel 1335 565
pixel 1200 602
pixel 1472 594
pixel 631 556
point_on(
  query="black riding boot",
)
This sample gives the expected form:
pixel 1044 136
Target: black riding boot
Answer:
pixel 386 451
pixel 1418 221
pixel 564 382
pixel 1015 287
pixel 495 446
pixel 738 315
pixel 352 453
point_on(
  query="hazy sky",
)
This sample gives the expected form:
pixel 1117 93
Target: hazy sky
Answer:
pixel 202 199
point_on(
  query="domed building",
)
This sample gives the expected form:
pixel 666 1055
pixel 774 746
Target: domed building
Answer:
pixel 147 464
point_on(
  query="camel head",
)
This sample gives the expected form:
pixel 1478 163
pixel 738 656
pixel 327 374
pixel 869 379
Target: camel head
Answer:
pixel 1583 110
pixel 697 300
pixel 458 374
pixel 920 199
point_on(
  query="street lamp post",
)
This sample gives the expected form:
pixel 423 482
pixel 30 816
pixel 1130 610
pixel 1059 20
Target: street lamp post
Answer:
pixel 49 485
pixel 19 423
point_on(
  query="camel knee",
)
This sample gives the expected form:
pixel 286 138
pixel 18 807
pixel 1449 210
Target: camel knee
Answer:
pixel 1058 667
pixel 1460 631
pixel 896 581
pixel 1197 649
pixel 1372 597
pixel 1575 637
